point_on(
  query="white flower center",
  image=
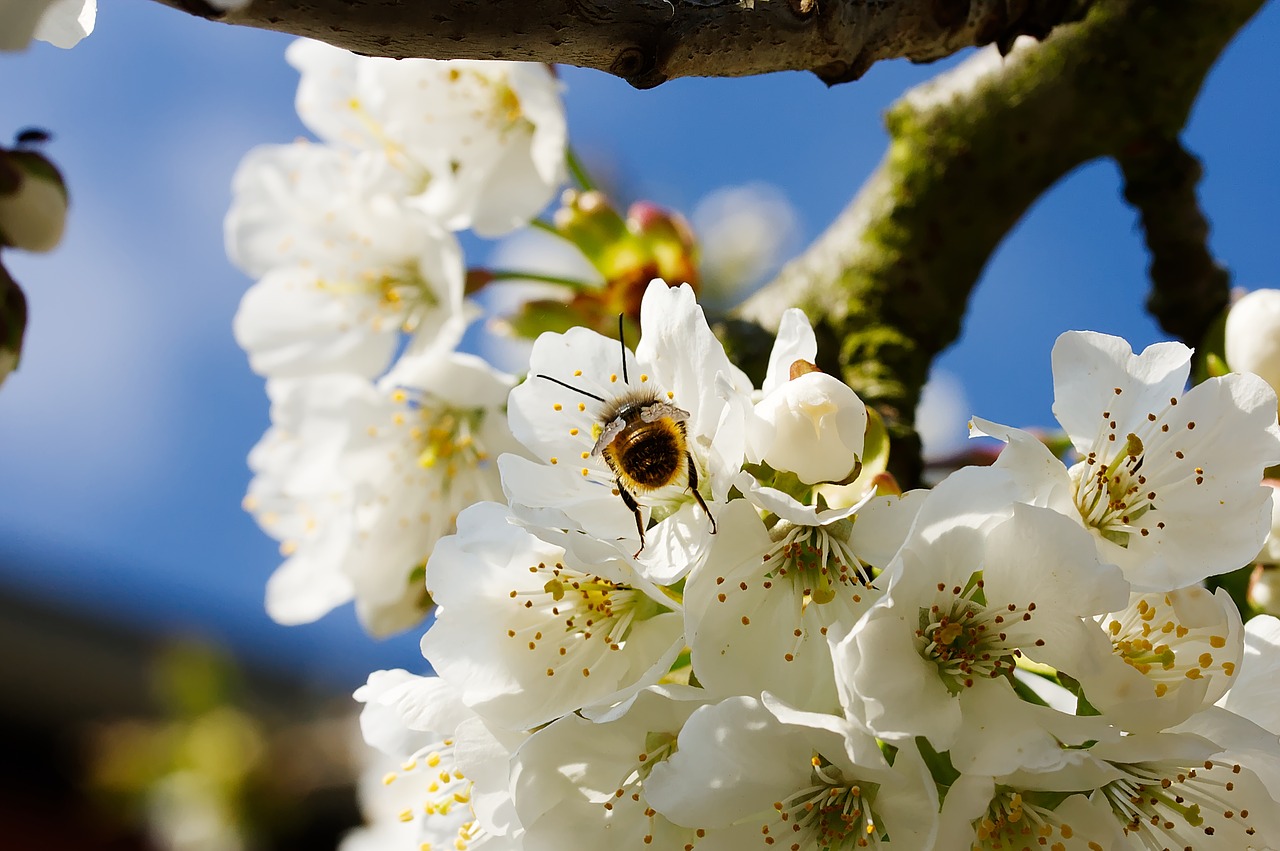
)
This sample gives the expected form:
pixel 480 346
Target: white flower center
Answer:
pixel 581 615
pixel 1012 821
pixel 1149 638
pixel 1171 805
pixel 1114 493
pixel 446 801
pixel 833 813
pixel 401 291
pixel 967 639
pixel 817 562
pixel 443 438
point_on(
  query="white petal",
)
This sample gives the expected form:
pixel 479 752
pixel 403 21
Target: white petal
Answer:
pixel 65 22
pixel 1089 367
pixel 795 341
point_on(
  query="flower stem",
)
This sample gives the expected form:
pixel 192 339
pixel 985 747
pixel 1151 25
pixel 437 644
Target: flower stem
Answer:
pixel 521 275
pixel 576 168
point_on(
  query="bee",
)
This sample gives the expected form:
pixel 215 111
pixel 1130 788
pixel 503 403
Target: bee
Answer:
pixel 643 439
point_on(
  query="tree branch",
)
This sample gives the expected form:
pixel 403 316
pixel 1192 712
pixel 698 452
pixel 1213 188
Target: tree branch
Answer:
pixel 888 282
pixel 1189 287
pixel 647 42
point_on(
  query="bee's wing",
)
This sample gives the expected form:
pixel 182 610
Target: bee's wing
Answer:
pixel 606 437
pixel 661 410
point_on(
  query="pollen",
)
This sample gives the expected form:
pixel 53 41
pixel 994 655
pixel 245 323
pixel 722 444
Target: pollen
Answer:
pixel 557 406
pixel 613 379
pixel 643 377
pixel 554 460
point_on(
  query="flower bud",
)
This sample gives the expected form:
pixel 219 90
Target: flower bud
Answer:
pixel 13 323
pixel 1253 335
pixel 812 425
pixel 669 241
pixel 33 207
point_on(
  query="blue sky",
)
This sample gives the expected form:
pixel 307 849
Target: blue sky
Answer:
pixel 123 436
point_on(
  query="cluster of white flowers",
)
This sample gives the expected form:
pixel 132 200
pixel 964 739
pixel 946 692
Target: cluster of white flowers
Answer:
pixel 677 611
pixel 678 630
pixel 381 430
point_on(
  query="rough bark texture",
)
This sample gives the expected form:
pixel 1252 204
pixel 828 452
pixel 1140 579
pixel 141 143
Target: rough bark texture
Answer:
pixel 647 42
pixel 889 281
pixel 1189 287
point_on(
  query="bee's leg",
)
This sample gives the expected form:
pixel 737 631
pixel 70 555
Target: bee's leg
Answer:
pixel 630 502
pixel 693 485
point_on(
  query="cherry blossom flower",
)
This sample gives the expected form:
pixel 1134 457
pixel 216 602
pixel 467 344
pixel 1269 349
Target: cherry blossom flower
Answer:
pixel 759 610
pixel 526 633
pixel 1172 653
pixel 1170 485
pixel 1192 789
pixel 360 481
pixel 345 268
pixel 983 814
pixel 1252 335
pixel 482 142
pixel 448 787
pixel 970 594
pixel 580 783
pixel 759 774
pixel 807 423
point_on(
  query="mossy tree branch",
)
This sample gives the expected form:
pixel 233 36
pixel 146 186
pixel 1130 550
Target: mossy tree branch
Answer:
pixel 887 284
pixel 1189 287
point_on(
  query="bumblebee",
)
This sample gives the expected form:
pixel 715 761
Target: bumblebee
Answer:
pixel 643 440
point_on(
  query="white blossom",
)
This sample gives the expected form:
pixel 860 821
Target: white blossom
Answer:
pixel 970 594
pixel 1191 789
pixel 1170 485
pixel 762 775
pixel 744 235
pixel 526 633
pixel 359 482
pixel 580 783
pixel 1252 335
pixel 983 814
pixel 1171 654
pixel 759 610
pixel 345 267
pixel 813 426
pixel 482 142
pixel 448 787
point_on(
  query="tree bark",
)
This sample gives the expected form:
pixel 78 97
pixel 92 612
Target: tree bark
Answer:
pixel 647 42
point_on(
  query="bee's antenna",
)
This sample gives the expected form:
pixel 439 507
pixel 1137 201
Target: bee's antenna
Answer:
pixel 571 387
pixel 623 342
